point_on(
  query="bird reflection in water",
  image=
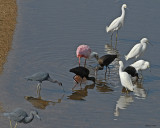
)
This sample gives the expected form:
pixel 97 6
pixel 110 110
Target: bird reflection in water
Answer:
pixel 81 94
pixel 40 103
pixel 139 91
pixel 122 103
pixel 102 87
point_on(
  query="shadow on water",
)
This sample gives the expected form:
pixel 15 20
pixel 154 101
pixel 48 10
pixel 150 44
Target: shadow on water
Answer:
pixel 81 94
pixel 40 103
pixel 102 87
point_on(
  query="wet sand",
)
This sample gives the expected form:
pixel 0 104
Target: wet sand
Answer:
pixel 8 13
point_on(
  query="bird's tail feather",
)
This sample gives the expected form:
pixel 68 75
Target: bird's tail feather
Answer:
pixel 107 30
pixel 126 57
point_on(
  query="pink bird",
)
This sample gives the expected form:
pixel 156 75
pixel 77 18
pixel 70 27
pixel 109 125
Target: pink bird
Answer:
pixel 83 51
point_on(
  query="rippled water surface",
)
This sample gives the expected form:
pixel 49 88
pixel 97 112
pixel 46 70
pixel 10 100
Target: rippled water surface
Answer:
pixel 46 37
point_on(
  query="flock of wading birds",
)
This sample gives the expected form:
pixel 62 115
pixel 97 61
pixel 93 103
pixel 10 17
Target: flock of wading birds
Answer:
pixel 81 72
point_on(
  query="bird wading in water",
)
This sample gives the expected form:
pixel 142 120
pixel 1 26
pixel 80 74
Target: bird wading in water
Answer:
pixel 83 73
pixel 20 116
pixel 117 23
pixel 40 77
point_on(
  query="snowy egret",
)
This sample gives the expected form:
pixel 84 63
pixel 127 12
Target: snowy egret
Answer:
pixel 138 49
pixel 105 61
pixel 42 76
pixel 82 72
pixel 141 65
pixel 125 78
pixel 117 23
pixel 20 116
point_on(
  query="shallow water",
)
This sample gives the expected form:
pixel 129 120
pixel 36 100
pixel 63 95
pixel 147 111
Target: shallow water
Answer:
pixel 46 37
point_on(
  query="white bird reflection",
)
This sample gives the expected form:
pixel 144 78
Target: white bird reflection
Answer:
pixel 122 103
pixel 139 91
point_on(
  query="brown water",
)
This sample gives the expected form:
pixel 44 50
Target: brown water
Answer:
pixel 46 37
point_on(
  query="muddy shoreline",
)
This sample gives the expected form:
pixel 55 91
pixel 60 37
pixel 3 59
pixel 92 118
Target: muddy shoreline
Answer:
pixel 8 14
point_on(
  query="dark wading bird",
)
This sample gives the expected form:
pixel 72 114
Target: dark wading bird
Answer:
pixel 83 73
pixel 42 76
pixel 20 116
pixel 105 61
pixel 132 71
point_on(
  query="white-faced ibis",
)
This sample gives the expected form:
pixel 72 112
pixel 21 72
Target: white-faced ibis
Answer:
pixel 40 77
pixel 20 116
pixel 82 72
pixel 138 49
pixel 125 78
pixel 117 23
pixel 105 61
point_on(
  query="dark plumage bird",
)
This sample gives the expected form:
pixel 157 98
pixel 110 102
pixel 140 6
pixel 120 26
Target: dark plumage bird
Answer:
pixel 82 72
pixel 40 77
pixel 105 61
pixel 131 70
pixel 20 116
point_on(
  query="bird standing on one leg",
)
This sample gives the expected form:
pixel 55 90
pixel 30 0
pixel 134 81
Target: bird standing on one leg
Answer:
pixel 138 49
pixel 83 73
pixel 20 116
pixel 40 77
pixel 117 23
pixel 125 78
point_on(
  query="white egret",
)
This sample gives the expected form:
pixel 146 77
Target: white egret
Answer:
pixel 125 78
pixel 117 23
pixel 141 65
pixel 138 49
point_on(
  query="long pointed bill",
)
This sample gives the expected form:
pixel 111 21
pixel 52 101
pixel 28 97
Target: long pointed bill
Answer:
pixel 38 117
pixel 150 43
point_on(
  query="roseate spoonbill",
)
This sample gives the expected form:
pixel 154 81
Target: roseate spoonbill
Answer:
pixel 83 51
pixel 20 116
pixel 141 65
pixel 138 49
pixel 117 23
pixel 40 77
pixel 105 61
pixel 83 73
pixel 125 78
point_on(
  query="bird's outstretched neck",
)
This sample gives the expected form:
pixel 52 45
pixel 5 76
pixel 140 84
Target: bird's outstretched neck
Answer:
pixel 91 78
pixel 54 81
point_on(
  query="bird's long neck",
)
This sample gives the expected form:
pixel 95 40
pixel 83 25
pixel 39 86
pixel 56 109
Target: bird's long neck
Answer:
pixel 91 78
pixel 53 81
pixel 123 12
pixel 29 118
pixel 120 68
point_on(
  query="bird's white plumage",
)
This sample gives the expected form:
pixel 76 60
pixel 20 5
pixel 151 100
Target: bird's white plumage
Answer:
pixel 125 78
pixel 141 65
pixel 118 22
pixel 138 49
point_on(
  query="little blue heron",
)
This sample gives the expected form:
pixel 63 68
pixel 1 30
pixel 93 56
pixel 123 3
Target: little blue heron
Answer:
pixel 125 78
pixel 20 116
pixel 83 73
pixel 117 23
pixel 138 49
pixel 40 77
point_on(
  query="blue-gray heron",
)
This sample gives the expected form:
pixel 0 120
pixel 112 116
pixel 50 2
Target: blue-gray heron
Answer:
pixel 20 116
pixel 42 76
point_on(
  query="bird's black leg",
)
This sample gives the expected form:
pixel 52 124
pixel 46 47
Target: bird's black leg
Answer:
pixel 109 71
pixel 111 38
pixel 116 38
pixel 105 73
